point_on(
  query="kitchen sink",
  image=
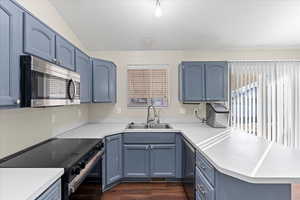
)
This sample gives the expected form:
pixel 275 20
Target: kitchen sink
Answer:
pixel 150 126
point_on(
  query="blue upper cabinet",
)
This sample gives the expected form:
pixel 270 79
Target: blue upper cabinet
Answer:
pixel 192 80
pixel 65 53
pixel 39 40
pixel 85 68
pixel 216 81
pixel 203 81
pixel 11 18
pixel 104 81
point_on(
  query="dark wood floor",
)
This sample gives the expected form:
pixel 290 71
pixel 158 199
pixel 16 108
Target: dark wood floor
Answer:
pixel 142 191
pixel 133 191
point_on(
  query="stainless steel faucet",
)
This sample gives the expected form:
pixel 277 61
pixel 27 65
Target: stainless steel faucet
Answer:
pixel 155 118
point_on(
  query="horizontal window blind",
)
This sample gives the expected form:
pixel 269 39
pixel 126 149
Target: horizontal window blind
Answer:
pixel 265 100
pixel 147 85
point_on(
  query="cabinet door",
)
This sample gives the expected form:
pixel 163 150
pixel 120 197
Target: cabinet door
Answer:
pixel 113 158
pixel 216 74
pixel 193 84
pixel 39 40
pixel 84 67
pixel 10 50
pixel 104 81
pixel 163 160
pixel 136 161
pixel 65 53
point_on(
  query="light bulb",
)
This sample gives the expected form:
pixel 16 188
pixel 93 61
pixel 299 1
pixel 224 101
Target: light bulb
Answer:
pixel 158 11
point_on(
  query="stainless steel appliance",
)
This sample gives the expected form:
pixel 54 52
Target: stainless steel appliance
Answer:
pixel 45 84
pixel 188 164
pixel 217 115
pixel 78 157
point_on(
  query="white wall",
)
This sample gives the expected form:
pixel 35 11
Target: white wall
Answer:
pixel 107 112
pixel 21 128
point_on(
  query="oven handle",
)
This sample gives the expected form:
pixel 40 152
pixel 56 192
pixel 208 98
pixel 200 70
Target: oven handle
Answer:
pixel 75 183
pixel 70 85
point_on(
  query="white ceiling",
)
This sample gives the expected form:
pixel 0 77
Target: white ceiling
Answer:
pixel 185 24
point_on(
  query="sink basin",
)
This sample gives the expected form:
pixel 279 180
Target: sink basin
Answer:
pixel 145 126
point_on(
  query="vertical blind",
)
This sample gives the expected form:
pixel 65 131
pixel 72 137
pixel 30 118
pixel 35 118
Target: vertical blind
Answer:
pixel 147 85
pixel 265 99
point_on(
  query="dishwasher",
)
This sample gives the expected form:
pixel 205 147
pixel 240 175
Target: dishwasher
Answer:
pixel 189 170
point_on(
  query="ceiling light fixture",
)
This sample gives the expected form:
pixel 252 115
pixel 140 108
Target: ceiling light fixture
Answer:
pixel 158 11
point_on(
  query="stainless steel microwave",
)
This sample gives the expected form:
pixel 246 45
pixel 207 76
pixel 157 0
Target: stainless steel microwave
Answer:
pixel 45 84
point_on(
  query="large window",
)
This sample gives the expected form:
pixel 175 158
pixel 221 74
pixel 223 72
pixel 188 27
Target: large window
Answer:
pixel 148 85
pixel 265 99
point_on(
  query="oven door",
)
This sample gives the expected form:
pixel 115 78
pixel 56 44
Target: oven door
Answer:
pixel 46 84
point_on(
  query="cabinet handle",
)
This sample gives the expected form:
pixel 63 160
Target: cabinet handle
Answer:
pixel 18 101
pixel 202 190
pixel 203 167
pixel 54 60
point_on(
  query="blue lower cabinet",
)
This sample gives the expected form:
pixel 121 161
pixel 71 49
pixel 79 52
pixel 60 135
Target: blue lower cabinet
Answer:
pixel 210 184
pixel 11 20
pixel 136 161
pixel 52 193
pixel 162 160
pixel 203 188
pixel 113 152
pixel 206 168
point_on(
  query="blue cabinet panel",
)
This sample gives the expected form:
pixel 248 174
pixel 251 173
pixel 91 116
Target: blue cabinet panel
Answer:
pixel 11 19
pixel 163 160
pixel 149 138
pixel 39 40
pixel 113 158
pixel 229 188
pixel 85 68
pixel 136 161
pixel 203 188
pixel 203 81
pixel 216 81
pixel 206 168
pixel 53 192
pixel 104 81
pixel 193 88
pixel 65 53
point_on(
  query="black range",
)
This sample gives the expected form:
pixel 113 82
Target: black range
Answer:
pixel 76 156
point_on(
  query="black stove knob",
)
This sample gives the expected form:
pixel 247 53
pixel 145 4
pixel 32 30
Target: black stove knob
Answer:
pixel 76 170
pixel 81 165
pixel 98 147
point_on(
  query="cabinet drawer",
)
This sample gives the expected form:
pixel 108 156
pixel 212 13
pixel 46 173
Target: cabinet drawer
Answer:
pixel 203 189
pixel 52 193
pixel 149 138
pixel 206 168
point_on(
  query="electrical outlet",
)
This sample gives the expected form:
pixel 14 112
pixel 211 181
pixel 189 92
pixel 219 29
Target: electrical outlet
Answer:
pixel 79 113
pixel 182 111
pixel 53 119
pixel 118 110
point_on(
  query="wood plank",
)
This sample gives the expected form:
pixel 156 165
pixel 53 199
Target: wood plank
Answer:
pixel 132 191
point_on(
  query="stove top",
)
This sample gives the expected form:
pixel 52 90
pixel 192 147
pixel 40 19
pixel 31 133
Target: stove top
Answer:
pixel 55 153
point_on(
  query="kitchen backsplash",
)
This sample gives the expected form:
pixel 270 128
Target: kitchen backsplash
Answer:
pixel 21 128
